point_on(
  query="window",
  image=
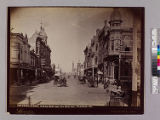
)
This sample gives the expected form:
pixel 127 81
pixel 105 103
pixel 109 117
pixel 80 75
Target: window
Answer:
pixel 21 53
pixel 139 54
pixel 126 68
pixel 116 72
pixel 127 49
pixel 19 48
pixel 110 71
pixel 103 45
pixel 36 49
pixel 18 56
pixel 96 60
pixel 112 45
pixel 96 47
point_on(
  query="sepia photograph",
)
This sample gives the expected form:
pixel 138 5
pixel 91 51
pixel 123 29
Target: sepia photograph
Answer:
pixel 75 60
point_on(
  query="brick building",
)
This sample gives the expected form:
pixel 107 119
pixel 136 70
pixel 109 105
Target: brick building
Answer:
pixel 119 53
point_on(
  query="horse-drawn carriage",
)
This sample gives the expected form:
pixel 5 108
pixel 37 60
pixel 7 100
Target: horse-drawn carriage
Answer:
pixel 60 80
pixel 82 79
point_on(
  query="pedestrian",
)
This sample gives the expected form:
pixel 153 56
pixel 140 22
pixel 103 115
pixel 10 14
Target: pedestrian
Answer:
pixel 54 80
pixel 65 81
pixel 84 79
pixel 30 80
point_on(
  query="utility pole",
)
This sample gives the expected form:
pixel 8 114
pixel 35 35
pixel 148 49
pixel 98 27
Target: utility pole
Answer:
pixel 29 100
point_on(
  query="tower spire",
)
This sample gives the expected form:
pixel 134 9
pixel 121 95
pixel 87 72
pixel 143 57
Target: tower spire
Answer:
pixel 72 66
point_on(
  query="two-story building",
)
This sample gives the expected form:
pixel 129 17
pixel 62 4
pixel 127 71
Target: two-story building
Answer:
pixel 19 58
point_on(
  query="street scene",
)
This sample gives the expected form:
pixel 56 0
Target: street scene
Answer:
pixel 75 56
pixel 73 94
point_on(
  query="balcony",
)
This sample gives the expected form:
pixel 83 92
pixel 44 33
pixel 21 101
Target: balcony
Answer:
pixel 126 53
pixel 113 52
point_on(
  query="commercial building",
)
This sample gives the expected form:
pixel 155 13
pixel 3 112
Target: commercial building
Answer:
pixel 80 69
pixel 118 54
pixel 33 65
pixel 88 62
pixel 29 58
pixel 19 58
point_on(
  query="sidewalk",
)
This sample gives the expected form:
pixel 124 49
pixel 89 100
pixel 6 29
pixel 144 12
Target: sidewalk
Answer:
pixel 117 101
pixel 18 92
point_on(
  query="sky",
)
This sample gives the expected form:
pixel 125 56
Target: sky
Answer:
pixel 69 29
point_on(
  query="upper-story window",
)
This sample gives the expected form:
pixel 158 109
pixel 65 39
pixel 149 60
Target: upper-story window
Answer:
pixel 36 49
pixel 21 53
pixel 112 45
pixel 127 49
pixel 96 60
pixel 139 54
pixel 127 43
pixel 19 48
pixel 96 47
pixel 116 47
pixel 103 45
